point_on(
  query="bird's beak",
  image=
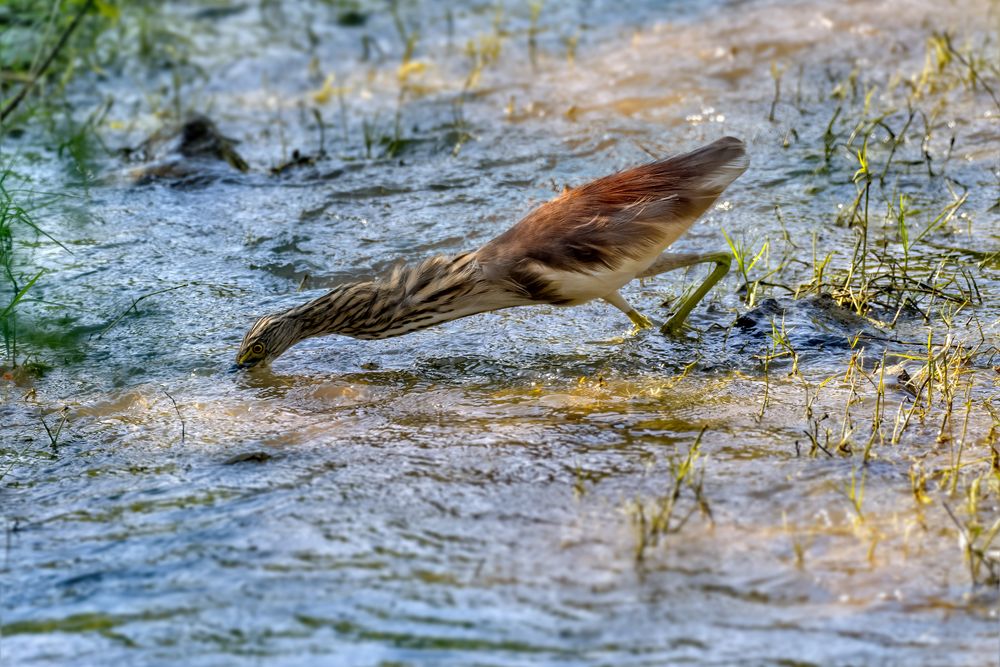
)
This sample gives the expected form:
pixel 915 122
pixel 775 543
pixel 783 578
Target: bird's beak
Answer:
pixel 242 362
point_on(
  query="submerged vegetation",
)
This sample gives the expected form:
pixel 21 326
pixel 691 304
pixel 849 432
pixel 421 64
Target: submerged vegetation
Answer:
pixel 15 220
pixel 920 386
pixel 919 389
pixel 42 46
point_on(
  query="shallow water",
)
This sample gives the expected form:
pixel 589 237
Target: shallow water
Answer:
pixel 466 494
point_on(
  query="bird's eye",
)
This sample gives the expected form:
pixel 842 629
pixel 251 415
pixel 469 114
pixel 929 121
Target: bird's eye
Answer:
pixel 257 349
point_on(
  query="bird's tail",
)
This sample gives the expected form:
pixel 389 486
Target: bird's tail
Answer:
pixel 658 202
pixel 710 169
pixel 667 196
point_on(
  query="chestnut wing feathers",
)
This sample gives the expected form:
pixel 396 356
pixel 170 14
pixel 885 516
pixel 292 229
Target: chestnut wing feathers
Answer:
pixel 628 215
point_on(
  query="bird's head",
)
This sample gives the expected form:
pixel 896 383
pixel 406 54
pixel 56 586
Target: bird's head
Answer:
pixel 267 339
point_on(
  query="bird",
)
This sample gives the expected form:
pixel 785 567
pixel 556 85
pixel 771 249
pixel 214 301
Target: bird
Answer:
pixel 585 244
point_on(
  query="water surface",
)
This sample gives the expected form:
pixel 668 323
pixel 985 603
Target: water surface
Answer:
pixel 467 494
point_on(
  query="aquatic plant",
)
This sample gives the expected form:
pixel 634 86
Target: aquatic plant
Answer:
pixel 902 261
pixel 655 519
pixel 49 45
pixel 15 219
pixel 41 56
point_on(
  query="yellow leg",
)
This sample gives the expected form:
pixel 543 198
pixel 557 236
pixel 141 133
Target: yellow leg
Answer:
pixel 639 320
pixel 722 261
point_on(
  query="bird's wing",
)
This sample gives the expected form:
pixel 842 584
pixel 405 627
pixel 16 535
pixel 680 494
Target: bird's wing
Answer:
pixel 625 216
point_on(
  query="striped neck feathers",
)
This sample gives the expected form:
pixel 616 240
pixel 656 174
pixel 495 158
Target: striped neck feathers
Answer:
pixel 409 298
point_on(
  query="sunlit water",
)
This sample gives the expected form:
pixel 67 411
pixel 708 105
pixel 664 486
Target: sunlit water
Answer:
pixel 465 495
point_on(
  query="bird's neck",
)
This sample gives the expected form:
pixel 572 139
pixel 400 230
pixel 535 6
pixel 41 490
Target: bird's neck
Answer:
pixel 409 298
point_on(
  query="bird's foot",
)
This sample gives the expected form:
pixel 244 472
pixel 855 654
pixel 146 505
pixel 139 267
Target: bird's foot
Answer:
pixel 639 320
